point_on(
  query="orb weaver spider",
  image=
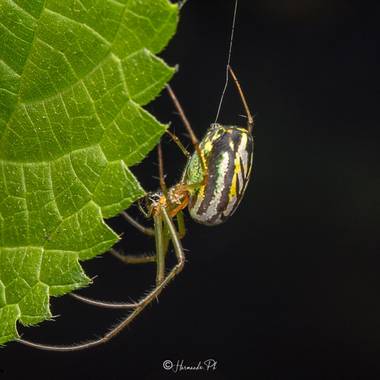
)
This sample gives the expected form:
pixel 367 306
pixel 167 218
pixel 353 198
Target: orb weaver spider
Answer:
pixel 212 185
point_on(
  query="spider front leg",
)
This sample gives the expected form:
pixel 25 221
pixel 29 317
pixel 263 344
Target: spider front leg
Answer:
pixel 133 259
pixel 161 248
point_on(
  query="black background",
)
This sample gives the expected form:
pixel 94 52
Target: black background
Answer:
pixel 288 288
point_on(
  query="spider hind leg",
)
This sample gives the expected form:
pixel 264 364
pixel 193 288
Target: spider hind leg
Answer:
pixel 138 307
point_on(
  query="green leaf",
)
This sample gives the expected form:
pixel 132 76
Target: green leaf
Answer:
pixel 74 75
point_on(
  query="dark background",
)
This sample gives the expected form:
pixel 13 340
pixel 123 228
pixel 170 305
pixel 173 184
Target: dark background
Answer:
pixel 288 288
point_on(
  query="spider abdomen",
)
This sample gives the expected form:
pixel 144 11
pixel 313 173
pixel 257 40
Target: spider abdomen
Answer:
pixel 228 152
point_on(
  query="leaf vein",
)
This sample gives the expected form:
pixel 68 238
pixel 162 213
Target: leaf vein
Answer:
pixel 48 10
pixel 23 10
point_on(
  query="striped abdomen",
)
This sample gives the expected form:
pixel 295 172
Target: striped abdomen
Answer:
pixel 228 152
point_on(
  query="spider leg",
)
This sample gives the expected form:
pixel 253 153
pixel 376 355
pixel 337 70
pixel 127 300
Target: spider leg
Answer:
pixel 162 244
pixel 140 306
pixel 161 173
pixel 190 131
pixel 133 259
pixel 146 259
pixel 177 141
pixel 145 230
pixel 244 101
pixel 181 225
pixel 161 247
pixel 126 259
pixel 104 304
pixel 182 115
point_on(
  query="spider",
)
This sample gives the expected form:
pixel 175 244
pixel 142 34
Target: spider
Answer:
pixel 212 185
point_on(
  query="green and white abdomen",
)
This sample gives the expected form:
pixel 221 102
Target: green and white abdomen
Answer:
pixel 228 152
